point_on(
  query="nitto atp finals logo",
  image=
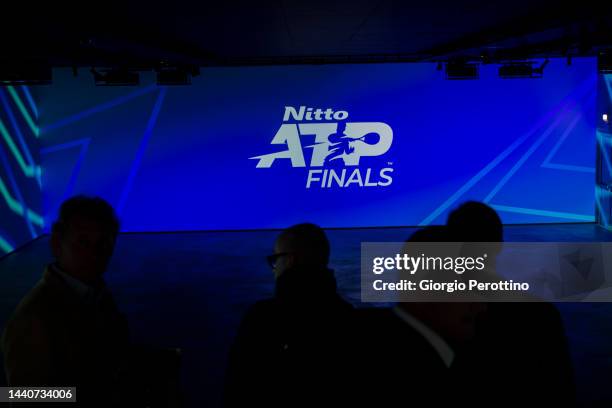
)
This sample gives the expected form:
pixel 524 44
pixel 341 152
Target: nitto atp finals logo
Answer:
pixel 337 149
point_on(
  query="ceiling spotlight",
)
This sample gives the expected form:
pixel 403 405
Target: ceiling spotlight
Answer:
pixel 25 75
pixel 115 77
pixel 522 69
pixel 462 70
pixel 174 76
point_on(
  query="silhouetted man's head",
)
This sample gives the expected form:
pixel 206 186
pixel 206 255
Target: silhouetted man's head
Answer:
pixel 302 245
pixel 83 237
pixel 475 222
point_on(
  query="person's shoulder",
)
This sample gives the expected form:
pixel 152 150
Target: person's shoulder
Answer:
pixel 374 312
pixel 537 318
pixel 340 308
pixel 534 310
pixel 35 302
pixel 375 318
pixel 29 316
pixel 40 303
pixel 264 305
pixel 258 321
pixel 261 309
pixel 544 315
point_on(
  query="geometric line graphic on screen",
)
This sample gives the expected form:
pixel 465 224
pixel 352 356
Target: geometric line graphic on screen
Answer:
pixel 84 143
pixel 565 116
pixel 20 176
pixel 603 190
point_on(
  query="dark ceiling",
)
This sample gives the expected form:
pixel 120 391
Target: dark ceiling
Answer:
pixel 141 33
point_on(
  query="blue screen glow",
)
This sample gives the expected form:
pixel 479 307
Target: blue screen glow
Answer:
pixel 338 145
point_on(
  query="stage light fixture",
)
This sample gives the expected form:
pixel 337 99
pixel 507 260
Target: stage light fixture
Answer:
pixel 115 77
pixel 173 76
pixel 25 75
pixel 522 69
pixel 462 70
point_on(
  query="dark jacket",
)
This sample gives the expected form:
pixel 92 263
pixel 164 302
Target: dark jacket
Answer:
pixel 524 345
pixel 55 338
pixel 518 357
pixel 293 349
pixel 403 369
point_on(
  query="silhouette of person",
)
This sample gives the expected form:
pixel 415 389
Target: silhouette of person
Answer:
pixel 339 144
pixel 525 341
pixel 67 331
pixel 293 349
pixel 418 349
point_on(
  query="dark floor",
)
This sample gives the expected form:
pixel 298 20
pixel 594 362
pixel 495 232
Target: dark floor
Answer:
pixel 189 290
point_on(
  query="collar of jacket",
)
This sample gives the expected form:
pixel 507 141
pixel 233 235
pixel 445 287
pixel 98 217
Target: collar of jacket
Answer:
pixel 59 283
